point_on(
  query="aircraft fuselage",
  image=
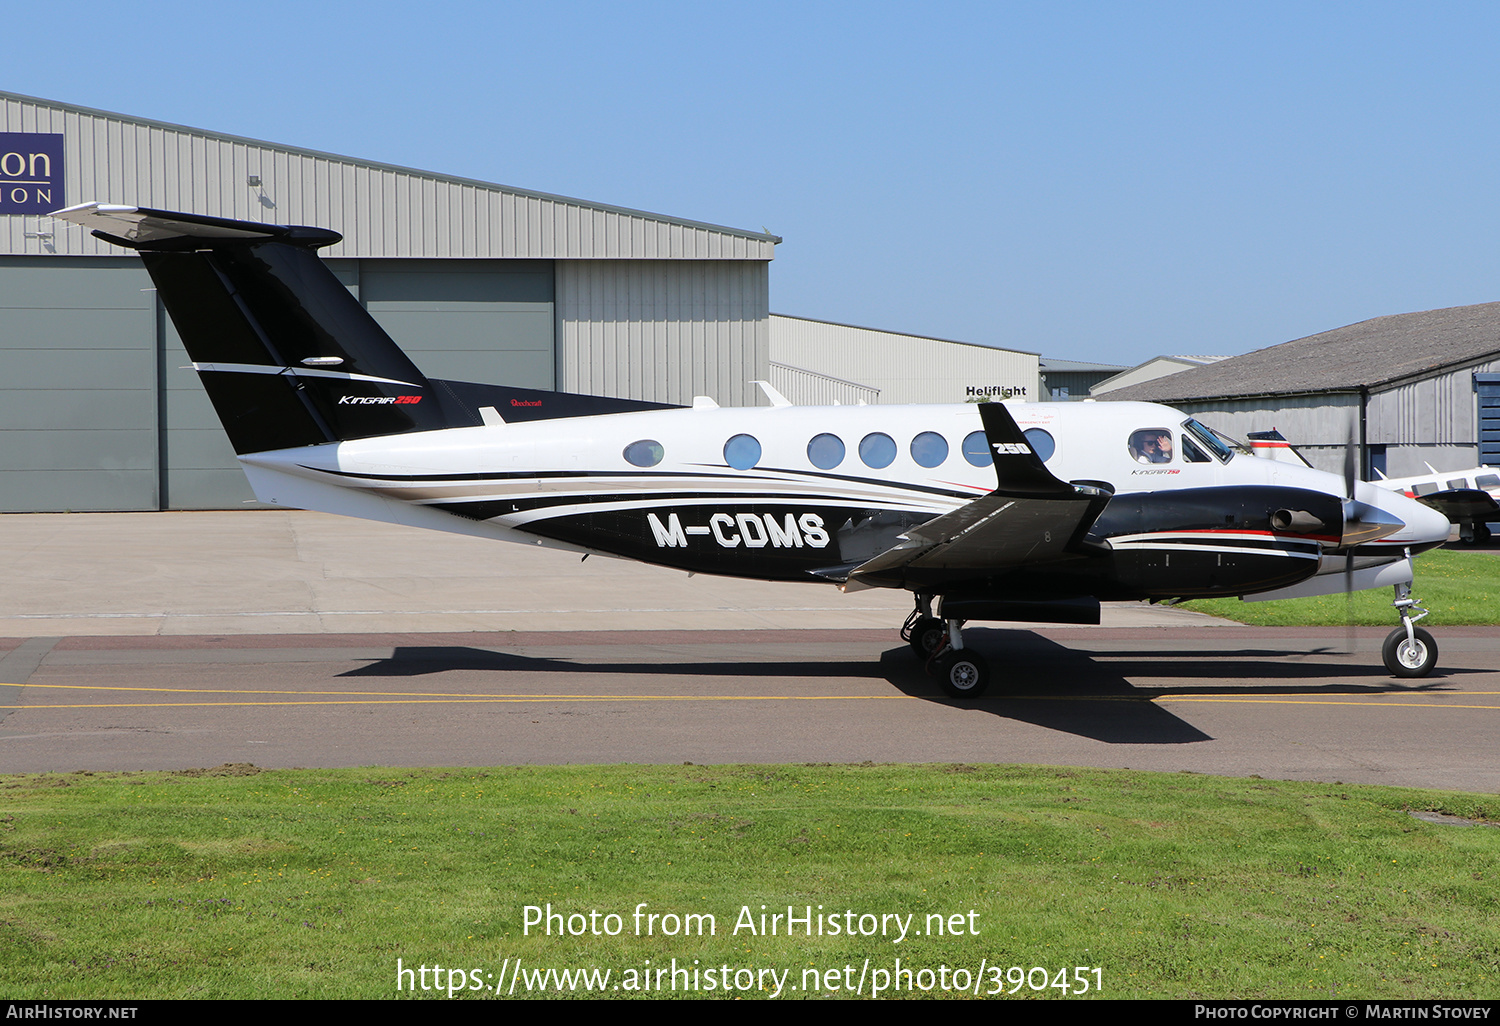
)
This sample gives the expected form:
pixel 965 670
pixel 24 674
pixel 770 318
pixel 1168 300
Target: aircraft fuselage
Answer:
pixel 805 493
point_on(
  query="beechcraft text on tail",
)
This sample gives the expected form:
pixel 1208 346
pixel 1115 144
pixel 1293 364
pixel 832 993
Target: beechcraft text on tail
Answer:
pixel 985 512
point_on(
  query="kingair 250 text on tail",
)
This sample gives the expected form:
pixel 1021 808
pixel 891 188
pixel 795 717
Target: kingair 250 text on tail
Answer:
pixel 1033 513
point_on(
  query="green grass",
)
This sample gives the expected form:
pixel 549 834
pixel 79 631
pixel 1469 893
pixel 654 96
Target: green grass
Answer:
pixel 1459 588
pixel 312 883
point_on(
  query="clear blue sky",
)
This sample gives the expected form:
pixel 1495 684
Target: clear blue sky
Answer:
pixel 1089 181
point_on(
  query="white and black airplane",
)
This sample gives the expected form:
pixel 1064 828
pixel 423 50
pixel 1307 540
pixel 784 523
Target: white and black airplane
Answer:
pixel 1029 513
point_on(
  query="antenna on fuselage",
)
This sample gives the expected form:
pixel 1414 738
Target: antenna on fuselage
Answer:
pixel 777 399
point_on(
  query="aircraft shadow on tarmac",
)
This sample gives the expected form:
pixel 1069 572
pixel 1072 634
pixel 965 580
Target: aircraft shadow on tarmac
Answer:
pixel 1033 680
pixel 1091 694
pixel 418 661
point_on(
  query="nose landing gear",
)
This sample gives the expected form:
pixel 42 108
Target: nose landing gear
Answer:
pixel 1409 651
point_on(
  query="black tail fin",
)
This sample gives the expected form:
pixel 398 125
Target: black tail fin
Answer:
pixel 286 354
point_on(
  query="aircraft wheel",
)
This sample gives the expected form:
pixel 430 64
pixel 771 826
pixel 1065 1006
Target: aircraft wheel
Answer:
pixel 963 674
pixel 927 636
pixel 1405 658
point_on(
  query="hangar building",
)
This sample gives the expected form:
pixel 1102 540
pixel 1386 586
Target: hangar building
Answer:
pixel 1412 388
pixel 822 363
pixel 480 282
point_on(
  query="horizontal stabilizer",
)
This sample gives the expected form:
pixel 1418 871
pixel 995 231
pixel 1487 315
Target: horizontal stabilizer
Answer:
pixel 147 229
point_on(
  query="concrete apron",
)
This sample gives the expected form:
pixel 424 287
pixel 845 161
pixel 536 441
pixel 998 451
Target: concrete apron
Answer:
pixel 293 572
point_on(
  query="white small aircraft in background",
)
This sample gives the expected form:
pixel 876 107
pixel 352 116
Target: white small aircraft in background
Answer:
pixel 1030 513
pixel 1465 497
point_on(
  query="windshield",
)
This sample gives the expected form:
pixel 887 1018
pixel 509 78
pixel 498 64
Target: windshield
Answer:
pixel 1222 446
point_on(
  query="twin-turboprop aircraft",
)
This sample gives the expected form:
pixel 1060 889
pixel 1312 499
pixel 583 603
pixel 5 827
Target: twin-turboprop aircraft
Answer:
pixel 1029 513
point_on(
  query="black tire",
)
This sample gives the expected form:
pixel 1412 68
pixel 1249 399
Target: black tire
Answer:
pixel 963 673
pixel 1408 659
pixel 927 636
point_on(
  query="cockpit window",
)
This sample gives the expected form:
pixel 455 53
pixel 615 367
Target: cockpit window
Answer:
pixel 1211 440
pixel 1151 445
pixel 1191 453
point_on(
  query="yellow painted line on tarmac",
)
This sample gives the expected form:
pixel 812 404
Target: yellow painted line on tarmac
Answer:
pixel 477 701
pixel 1377 700
pixel 1440 700
pixel 404 698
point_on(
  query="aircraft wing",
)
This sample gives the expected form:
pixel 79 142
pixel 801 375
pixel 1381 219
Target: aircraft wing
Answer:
pixel 1459 504
pixel 1031 517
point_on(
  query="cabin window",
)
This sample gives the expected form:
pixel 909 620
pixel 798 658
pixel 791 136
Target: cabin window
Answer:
pixel 825 451
pixel 877 450
pixel 742 452
pixel 1487 481
pixel 1151 445
pixel 1459 483
pixel 976 449
pixel 645 453
pixel 929 449
pixel 1425 488
pixel 1041 443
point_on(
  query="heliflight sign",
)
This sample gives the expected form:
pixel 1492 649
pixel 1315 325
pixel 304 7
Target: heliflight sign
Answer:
pixel 31 172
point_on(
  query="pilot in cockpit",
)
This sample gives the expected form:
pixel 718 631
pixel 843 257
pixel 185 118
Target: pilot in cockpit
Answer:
pixel 1151 445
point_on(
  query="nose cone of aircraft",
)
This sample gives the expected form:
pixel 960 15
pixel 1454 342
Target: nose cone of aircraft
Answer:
pixel 1429 527
pixel 1425 527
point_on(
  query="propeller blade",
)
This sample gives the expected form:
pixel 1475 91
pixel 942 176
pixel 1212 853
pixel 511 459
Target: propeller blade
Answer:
pixel 1349 463
pixel 1349 601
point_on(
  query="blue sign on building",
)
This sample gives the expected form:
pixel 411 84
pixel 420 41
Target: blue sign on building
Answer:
pixel 31 173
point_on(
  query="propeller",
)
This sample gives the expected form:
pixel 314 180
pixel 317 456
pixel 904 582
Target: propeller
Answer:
pixel 1350 480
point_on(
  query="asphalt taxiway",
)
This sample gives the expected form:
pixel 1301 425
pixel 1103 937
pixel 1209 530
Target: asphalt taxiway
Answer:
pixel 165 641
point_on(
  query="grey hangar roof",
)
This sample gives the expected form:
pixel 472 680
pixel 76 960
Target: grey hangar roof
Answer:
pixel 1374 354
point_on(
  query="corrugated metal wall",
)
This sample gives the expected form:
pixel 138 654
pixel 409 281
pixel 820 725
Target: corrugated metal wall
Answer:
pixel 1438 410
pixel 78 392
pixel 815 389
pixel 663 332
pixel 381 210
pixel 1432 420
pixel 1317 425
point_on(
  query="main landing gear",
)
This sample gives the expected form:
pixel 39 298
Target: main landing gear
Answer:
pixel 961 672
pixel 1409 651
